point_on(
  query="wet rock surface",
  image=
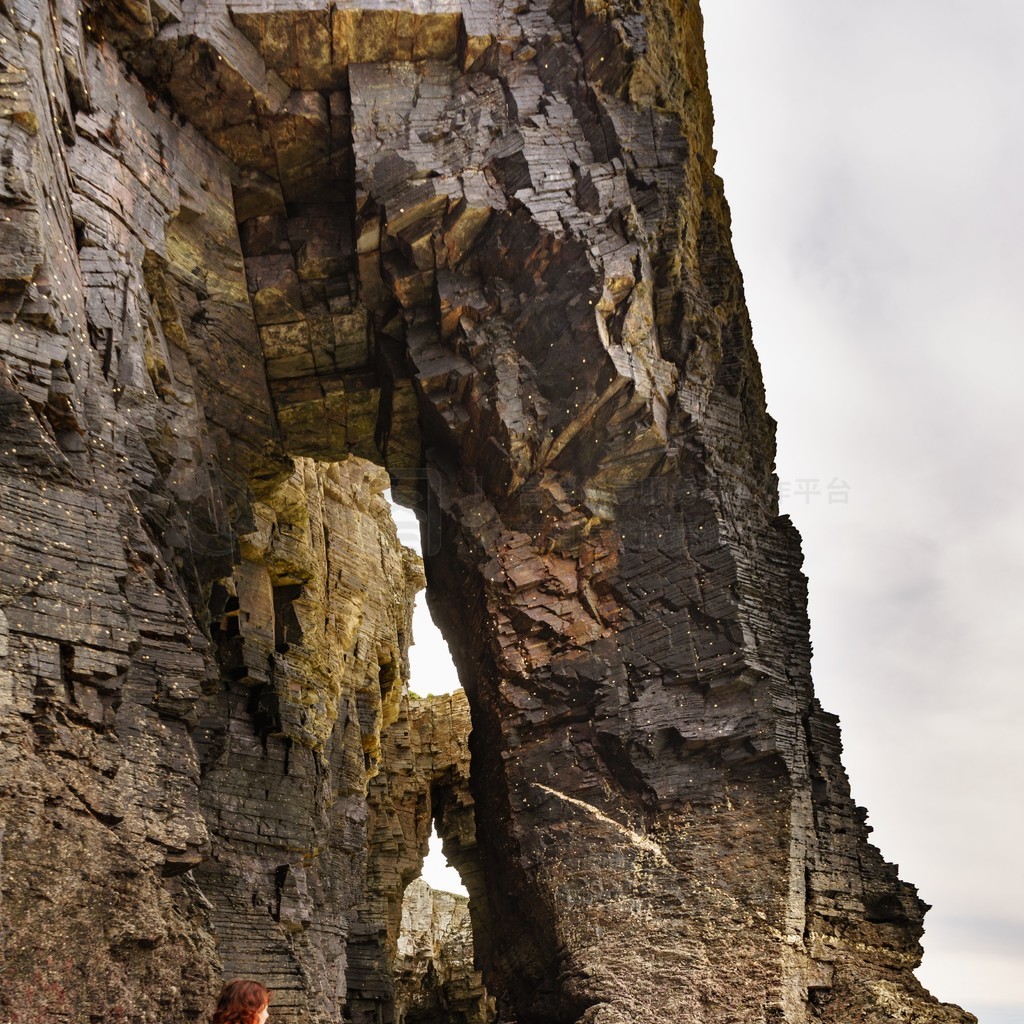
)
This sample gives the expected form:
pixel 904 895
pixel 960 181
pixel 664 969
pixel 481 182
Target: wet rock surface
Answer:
pixel 251 253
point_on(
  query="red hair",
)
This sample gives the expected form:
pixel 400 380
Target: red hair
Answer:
pixel 240 1002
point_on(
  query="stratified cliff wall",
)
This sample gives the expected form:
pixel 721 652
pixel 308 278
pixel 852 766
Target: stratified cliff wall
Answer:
pixel 246 245
pixel 424 777
pixel 436 981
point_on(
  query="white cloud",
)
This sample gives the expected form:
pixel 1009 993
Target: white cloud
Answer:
pixel 437 872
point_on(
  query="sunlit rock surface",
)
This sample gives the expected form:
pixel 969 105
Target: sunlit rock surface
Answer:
pixel 436 980
pixel 424 777
pixel 481 245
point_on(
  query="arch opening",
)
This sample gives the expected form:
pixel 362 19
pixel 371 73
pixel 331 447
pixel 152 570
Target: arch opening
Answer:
pixel 437 872
pixel 446 326
pixel 437 979
pixel 432 669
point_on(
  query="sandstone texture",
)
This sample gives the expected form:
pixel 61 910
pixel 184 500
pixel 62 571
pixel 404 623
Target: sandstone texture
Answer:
pixel 262 259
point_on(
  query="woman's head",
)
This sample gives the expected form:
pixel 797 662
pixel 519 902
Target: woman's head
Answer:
pixel 242 1002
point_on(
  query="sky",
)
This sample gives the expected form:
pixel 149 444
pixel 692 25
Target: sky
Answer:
pixel 431 670
pixel 873 156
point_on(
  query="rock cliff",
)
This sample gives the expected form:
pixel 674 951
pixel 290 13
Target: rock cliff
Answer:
pixel 436 980
pixel 258 260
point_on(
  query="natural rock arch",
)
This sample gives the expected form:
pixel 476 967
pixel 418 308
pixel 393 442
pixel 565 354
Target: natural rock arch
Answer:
pixel 484 247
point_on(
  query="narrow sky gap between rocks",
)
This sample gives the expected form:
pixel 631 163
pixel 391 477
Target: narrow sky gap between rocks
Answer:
pixel 431 667
pixel 437 872
pixel 432 671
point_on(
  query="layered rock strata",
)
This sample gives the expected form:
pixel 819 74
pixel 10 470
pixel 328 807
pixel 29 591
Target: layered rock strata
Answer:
pixel 311 633
pixel 482 245
pixel 424 778
pixel 436 980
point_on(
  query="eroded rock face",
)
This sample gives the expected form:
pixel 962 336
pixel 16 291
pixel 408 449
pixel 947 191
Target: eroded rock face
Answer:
pixel 311 642
pixel 424 778
pixel 483 245
pixel 436 980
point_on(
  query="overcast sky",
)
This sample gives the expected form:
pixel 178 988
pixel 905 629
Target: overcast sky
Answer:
pixel 873 157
